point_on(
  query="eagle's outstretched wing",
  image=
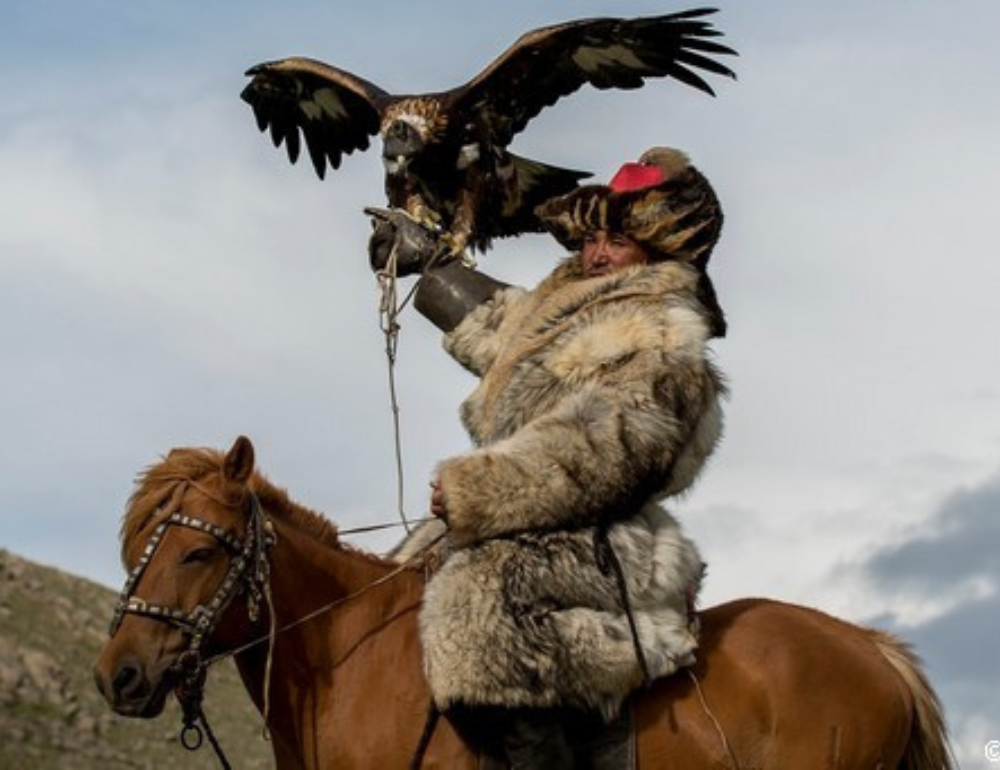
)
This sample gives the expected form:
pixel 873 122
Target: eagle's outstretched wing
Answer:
pixel 335 111
pixel 544 65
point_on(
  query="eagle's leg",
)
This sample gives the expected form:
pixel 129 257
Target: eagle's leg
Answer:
pixel 421 213
pixel 462 226
pixel 429 219
pixel 456 242
pixel 424 217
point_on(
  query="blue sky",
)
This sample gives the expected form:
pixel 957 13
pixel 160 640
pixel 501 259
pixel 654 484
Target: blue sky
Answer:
pixel 167 278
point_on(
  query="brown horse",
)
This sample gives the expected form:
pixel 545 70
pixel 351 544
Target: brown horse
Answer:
pixel 326 640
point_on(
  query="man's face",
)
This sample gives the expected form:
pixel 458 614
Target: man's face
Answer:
pixel 604 252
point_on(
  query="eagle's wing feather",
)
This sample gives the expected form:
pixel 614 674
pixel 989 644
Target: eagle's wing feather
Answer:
pixel 534 183
pixel 544 65
pixel 333 110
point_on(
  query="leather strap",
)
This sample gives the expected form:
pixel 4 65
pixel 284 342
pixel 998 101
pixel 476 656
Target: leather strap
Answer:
pixel 448 293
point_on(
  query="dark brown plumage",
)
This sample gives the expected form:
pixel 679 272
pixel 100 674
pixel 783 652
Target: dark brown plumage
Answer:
pixel 445 154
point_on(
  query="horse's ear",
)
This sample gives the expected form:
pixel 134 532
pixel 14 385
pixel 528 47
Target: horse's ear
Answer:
pixel 239 461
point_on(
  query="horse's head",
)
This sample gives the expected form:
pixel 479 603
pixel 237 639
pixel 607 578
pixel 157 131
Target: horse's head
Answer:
pixel 193 538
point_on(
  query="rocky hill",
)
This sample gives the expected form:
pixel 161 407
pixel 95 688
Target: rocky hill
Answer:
pixel 51 716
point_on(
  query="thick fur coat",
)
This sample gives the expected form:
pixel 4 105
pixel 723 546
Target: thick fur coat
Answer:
pixel 596 398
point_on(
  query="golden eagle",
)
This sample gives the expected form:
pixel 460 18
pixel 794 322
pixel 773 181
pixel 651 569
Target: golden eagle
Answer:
pixel 445 154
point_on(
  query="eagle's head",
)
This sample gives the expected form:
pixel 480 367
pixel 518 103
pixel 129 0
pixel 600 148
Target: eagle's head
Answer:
pixel 409 128
pixel 401 144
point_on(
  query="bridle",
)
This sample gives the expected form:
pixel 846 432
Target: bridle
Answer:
pixel 248 573
pixel 248 570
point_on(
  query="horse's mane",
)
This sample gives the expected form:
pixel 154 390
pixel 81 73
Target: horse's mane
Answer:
pixel 159 482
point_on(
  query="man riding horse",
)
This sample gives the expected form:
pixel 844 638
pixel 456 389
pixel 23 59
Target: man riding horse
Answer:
pixel 565 585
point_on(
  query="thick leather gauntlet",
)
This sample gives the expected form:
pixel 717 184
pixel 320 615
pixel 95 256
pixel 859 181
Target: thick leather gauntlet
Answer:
pixel 448 293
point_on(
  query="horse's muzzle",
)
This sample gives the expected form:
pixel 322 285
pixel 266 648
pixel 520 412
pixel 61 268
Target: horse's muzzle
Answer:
pixel 132 689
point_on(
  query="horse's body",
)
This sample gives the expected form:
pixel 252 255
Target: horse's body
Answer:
pixel 776 685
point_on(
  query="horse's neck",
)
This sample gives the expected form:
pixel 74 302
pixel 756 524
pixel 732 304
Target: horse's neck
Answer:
pixel 304 568
pixel 337 611
pixel 311 576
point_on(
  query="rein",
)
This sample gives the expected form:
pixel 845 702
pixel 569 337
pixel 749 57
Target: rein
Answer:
pixel 336 602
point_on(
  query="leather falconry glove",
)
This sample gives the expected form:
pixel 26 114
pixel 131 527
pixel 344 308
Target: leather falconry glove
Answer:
pixel 448 290
pixel 415 245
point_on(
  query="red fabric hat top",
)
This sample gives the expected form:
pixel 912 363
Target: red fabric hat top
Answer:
pixel 636 176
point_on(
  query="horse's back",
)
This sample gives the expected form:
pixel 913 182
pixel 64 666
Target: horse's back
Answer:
pixel 777 686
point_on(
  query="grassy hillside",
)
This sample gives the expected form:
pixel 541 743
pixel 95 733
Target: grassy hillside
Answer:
pixel 51 716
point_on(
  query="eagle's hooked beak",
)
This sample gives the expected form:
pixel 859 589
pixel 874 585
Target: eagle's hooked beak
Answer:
pixel 401 144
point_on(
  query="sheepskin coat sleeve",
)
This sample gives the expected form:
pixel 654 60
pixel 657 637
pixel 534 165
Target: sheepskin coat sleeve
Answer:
pixel 595 395
pixel 476 342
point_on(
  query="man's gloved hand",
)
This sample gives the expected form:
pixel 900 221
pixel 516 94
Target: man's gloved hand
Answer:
pixel 393 228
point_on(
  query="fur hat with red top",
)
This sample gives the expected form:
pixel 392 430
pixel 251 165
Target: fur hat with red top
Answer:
pixel 661 202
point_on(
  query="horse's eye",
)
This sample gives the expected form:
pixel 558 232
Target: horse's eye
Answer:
pixel 198 555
